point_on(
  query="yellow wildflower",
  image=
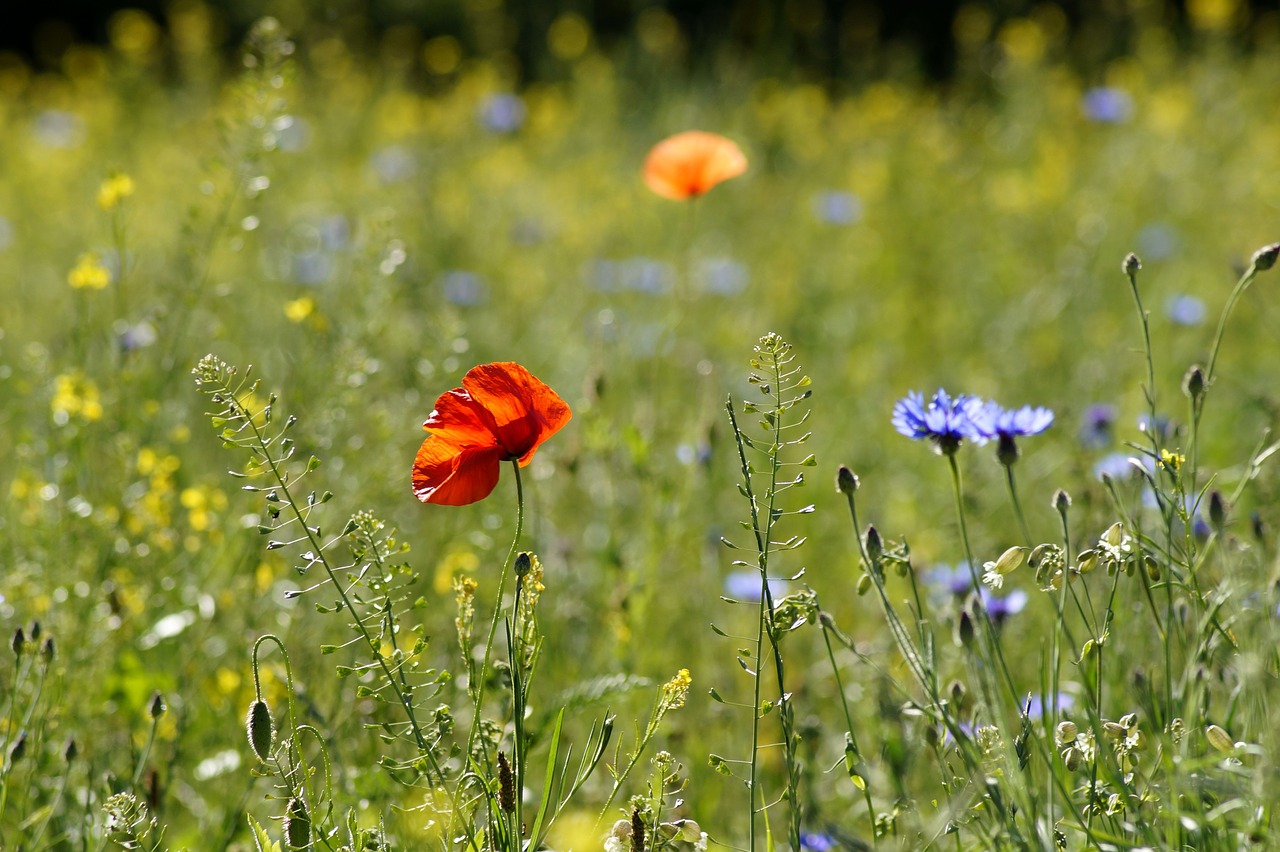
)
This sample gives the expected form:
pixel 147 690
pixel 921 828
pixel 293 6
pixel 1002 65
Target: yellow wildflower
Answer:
pixel 298 310
pixel 75 396
pixel 1171 461
pixel 113 190
pixel 676 690
pixel 89 272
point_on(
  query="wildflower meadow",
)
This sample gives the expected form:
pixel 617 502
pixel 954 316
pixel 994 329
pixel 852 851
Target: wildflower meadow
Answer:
pixel 403 453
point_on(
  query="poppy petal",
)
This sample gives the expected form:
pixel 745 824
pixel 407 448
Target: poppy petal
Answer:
pixel 691 163
pixel 523 411
pixel 460 420
pixel 449 475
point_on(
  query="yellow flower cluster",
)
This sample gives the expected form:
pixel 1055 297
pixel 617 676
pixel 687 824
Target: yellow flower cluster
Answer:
pixel 89 273
pixel 114 190
pixel 676 690
pixel 74 395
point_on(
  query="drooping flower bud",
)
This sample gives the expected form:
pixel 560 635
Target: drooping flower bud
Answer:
pixel 1265 257
pixel 261 734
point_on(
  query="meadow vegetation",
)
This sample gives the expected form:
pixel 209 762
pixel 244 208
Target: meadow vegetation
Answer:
pixel 740 608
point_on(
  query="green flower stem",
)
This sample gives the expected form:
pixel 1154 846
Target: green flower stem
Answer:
pixel 1017 504
pixel 1149 391
pixel 848 720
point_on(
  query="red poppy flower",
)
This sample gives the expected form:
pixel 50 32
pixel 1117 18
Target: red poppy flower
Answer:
pixel 688 164
pixel 501 413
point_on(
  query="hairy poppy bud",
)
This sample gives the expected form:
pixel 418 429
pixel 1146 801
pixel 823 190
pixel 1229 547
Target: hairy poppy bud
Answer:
pixel 1131 264
pixel 157 706
pixel 48 649
pixel 846 480
pixel 1217 511
pixel 19 749
pixel 18 642
pixel 70 751
pixel 964 630
pixel 297 825
pixel 258 724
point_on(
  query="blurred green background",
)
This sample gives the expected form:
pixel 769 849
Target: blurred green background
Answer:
pixel 399 194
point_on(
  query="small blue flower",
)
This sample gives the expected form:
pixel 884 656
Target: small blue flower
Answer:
pixel 1113 466
pixel 1006 425
pixel 502 113
pixel 1034 706
pixel 836 208
pixel 1185 310
pixel 745 586
pixel 1000 607
pixel 1107 105
pixel 1157 241
pixel 1099 420
pixel 463 288
pixel 955 581
pixel 816 842
pixel 945 421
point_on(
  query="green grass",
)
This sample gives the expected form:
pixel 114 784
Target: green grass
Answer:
pixel 309 225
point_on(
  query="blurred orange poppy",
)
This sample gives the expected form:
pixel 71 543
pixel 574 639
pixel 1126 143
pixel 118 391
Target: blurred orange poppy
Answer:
pixel 688 164
pixel 501 413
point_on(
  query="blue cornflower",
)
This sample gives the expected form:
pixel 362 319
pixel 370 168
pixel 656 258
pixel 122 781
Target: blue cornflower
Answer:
pixel 1000 607
pixel 1107 105
pixel 1006 425
pixel 955 581
pixel 1099 420
pixel 945 421
pixel 816 841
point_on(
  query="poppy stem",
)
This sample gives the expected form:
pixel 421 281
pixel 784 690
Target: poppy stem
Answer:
pixel 478 691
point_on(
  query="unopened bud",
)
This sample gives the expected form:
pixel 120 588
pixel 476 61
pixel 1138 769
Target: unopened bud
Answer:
pixel 964 629
pixel 157 706
pixel 48 649
pixel 1131 264
pixel 70 751
pixel 1061 501
pixel 1152 568
pixel 1193 382
pixel 524 564
pixel 297 825
pixel 1265 257
pixel 846 480
pixel 258 724
pixel 1066 732
pixel 875 547
pixel 18 642
pixel 1217 511
pixel 36 630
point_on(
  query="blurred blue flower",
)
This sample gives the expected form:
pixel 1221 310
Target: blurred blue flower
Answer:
pixel 1114 466
pixel 723 276
pixel 1099 420
pixel 745 586
pixel 502 113
pixel 945 421
pixel 311 267
pixel 955 581
pixel 1185 310
pixel 836 208
pixel 393 164
pixel 1000 607
pixel 1034 706
pixel 55 128
pixel 1107 105
pixel 465 289
pixel 816 842
pixel 636 274
pixel 1157 241
pixel 335 231
pixel 131 338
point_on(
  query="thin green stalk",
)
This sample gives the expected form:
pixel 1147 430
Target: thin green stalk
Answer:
pixel 853 738
pixel 1017 505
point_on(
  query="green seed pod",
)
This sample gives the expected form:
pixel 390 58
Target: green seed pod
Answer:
pixel 1153 569
pixel 864 584
pixel 1066 732
pixel 1071 757
pixel 261 735
pixel 297 825
pixel 1219 739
